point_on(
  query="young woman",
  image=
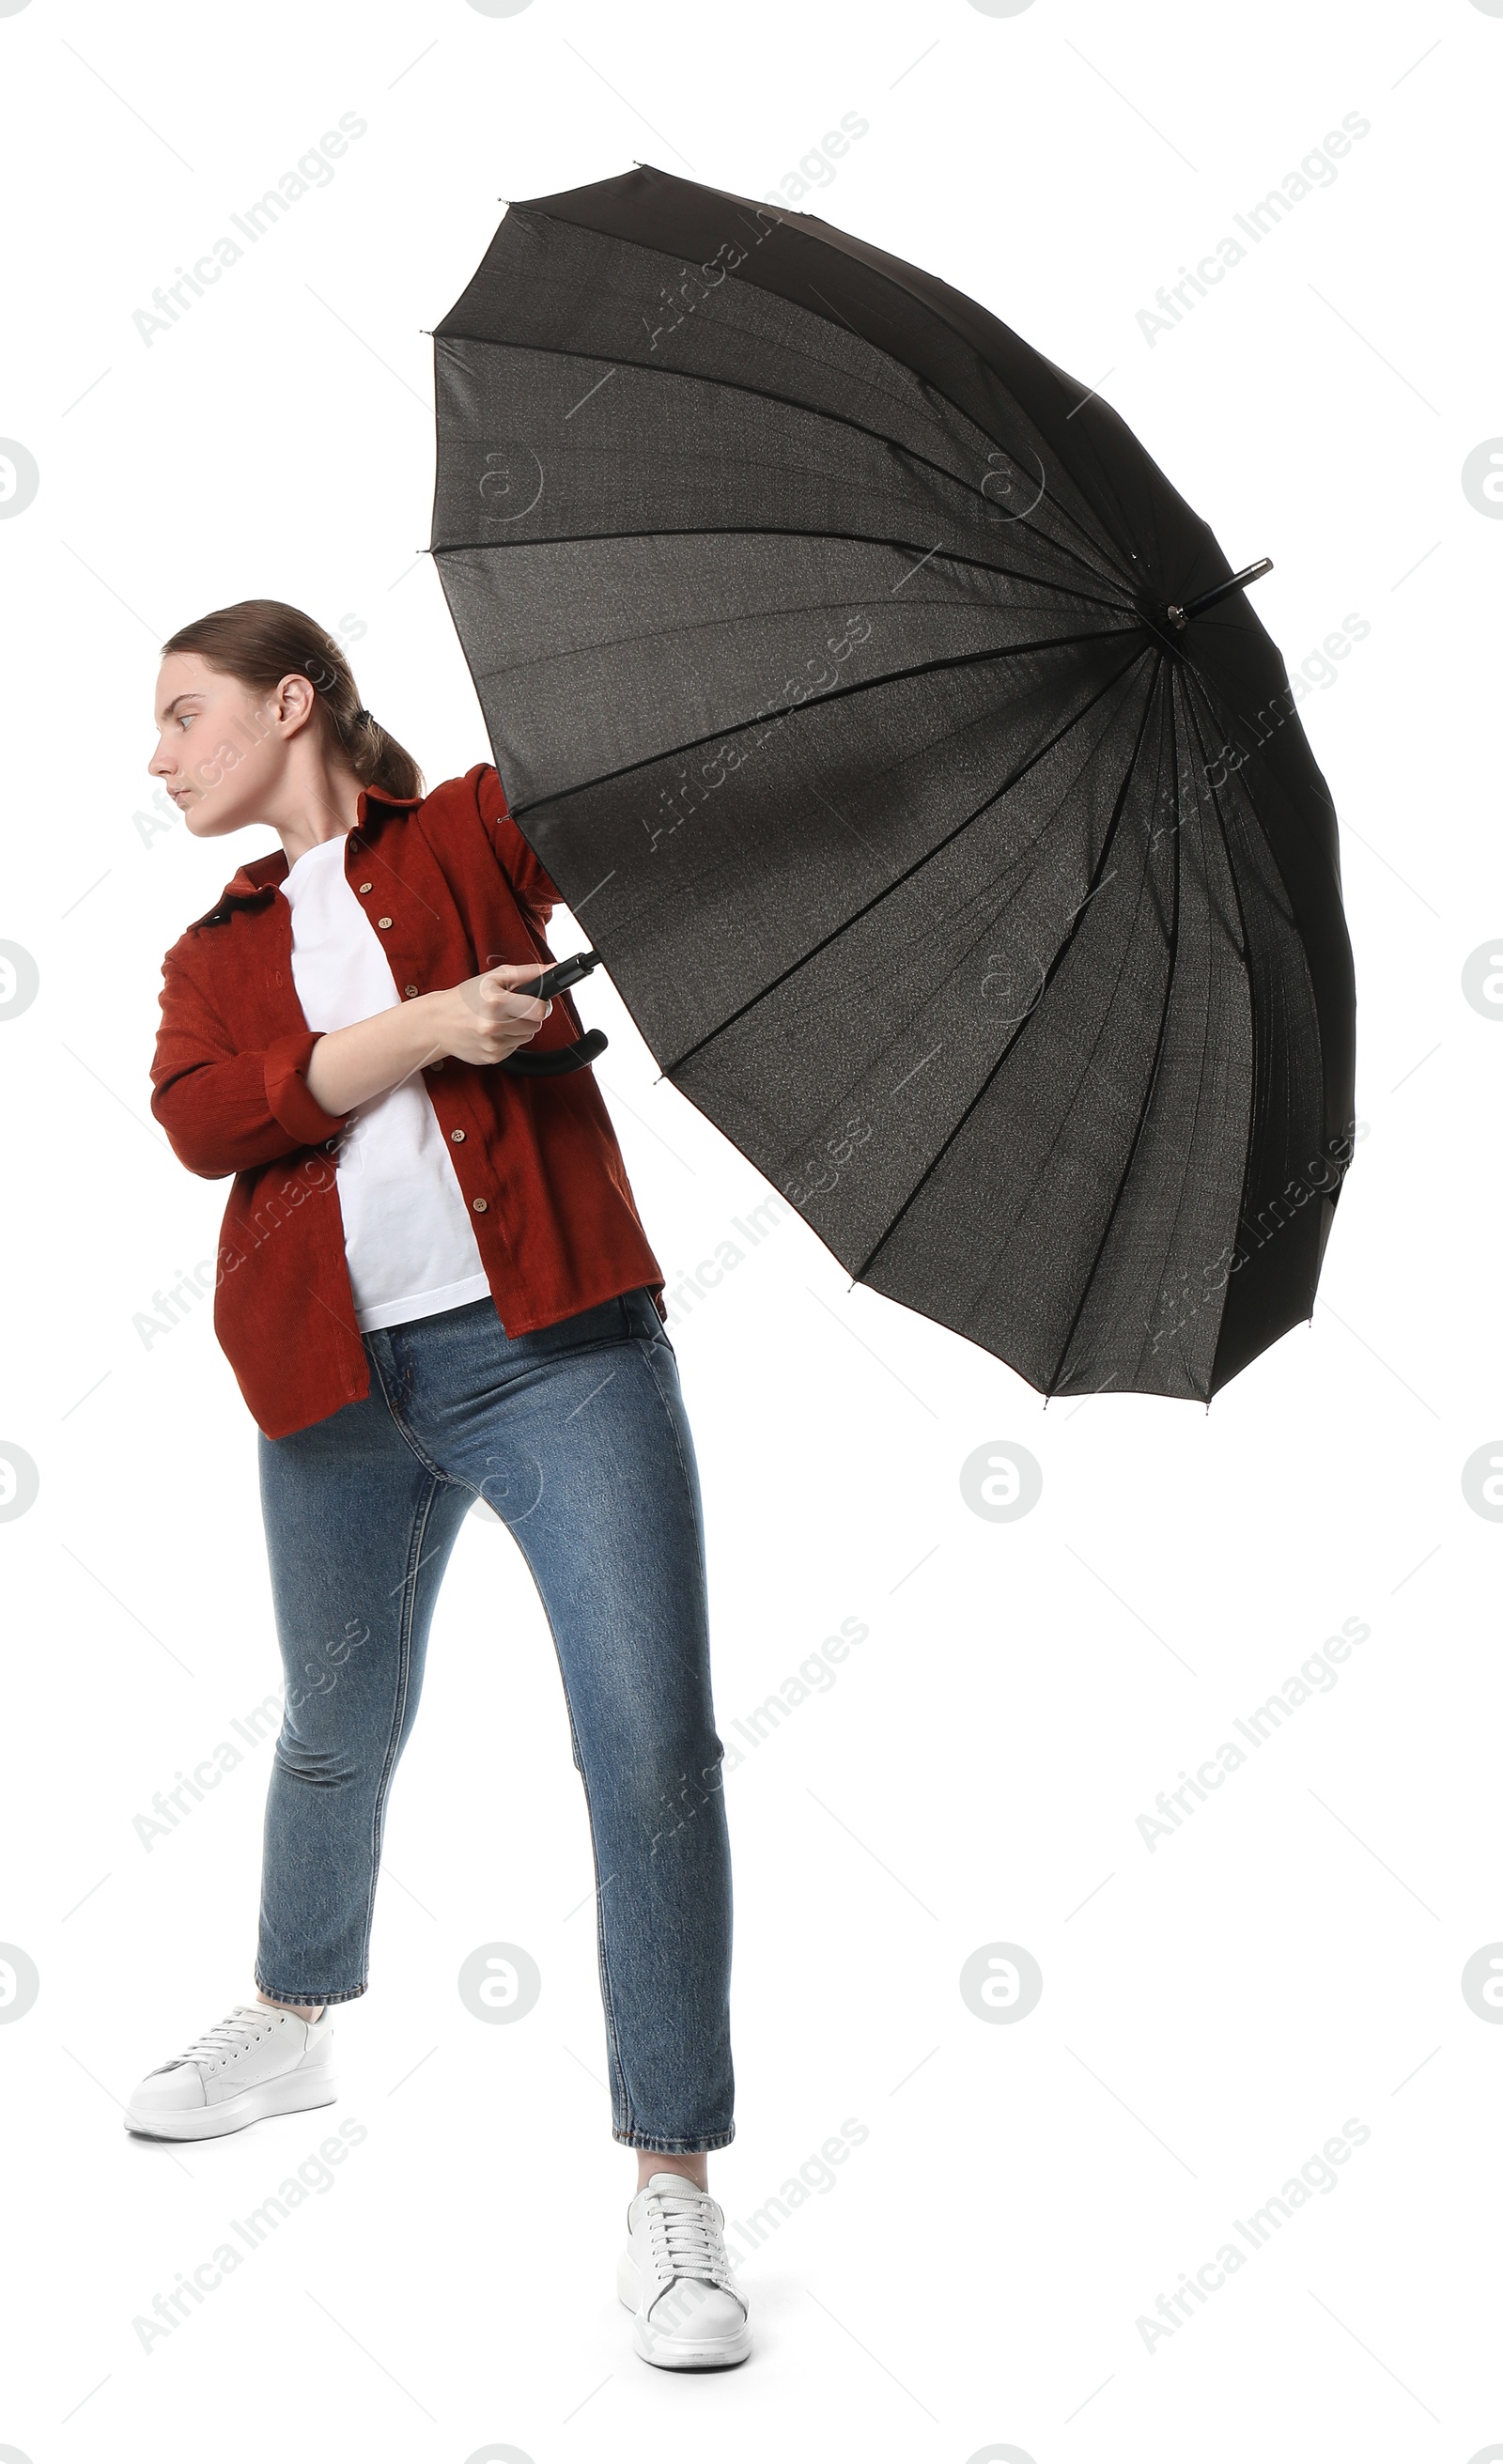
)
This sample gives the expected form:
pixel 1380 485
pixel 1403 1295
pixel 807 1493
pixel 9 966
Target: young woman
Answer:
pixel 434 1287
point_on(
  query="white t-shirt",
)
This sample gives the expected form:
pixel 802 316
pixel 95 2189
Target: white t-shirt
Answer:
pixel 408 1242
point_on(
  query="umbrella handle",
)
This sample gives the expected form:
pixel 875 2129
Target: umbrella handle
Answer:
pixel 556 1064
pixel 569 1056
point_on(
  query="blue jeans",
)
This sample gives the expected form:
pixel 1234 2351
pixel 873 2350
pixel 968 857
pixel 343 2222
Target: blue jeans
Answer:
pixel 577 1435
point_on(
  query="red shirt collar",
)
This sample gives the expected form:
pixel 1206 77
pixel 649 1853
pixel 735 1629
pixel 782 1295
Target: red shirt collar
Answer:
pixel 265 871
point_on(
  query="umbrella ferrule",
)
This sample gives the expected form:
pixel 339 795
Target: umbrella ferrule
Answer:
pixel 1177 618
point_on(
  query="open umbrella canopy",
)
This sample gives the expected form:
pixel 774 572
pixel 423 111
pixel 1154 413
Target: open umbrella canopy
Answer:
pixel 844 662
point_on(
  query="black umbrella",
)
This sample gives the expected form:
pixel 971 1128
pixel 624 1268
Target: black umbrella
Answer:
pixel 912 756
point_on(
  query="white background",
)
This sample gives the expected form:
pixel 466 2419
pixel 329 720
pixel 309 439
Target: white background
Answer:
pixel 1213 2009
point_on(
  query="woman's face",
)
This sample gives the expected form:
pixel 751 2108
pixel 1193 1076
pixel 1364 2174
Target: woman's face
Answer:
pixel 222 748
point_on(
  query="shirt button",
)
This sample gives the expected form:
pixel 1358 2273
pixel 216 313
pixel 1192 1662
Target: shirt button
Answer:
pixel 385 922
pixel 411 991
pixel 478 1203
pixel 363 887
pixel 457 1136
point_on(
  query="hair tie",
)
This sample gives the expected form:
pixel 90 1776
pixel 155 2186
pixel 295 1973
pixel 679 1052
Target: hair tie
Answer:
pixel 362 716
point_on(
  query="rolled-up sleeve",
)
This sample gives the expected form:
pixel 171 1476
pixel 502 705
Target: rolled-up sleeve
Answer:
pixel 225 1112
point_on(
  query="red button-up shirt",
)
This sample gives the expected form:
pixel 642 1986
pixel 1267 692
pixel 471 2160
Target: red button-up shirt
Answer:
pixel 450 887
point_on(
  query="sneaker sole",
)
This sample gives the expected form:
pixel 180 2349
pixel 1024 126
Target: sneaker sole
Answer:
pixel 293 2093
pixel 683 2352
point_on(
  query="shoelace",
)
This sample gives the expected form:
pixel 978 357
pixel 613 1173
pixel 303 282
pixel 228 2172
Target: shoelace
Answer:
pixel 229 2035
pixel 686 2240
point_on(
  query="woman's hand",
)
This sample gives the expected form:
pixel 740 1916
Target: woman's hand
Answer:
pixel 481 1019
pixel 477 1020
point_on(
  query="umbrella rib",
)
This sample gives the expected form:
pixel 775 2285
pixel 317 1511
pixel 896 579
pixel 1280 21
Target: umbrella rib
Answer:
pixel 836 418
pixel 769 530
pixel 886 892
pixel 797 710
pixel 1052 1385
pixel 1256 745
pixel 1187 1156
pixel 1252 997
pixel 699 628
pixel 858 1273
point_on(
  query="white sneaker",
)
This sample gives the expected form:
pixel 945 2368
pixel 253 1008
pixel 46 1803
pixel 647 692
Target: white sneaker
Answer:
pixel 258 2061
pixel 676 2276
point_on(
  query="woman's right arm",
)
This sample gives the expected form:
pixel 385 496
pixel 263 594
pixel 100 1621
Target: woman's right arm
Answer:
pixel 226 1110
pixel 477 1020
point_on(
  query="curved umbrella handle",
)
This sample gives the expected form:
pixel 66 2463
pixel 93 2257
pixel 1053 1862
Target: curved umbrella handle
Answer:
pixel 556 1064
pixel 578 1055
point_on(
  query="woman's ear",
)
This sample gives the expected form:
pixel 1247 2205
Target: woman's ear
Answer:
pixel 295 701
